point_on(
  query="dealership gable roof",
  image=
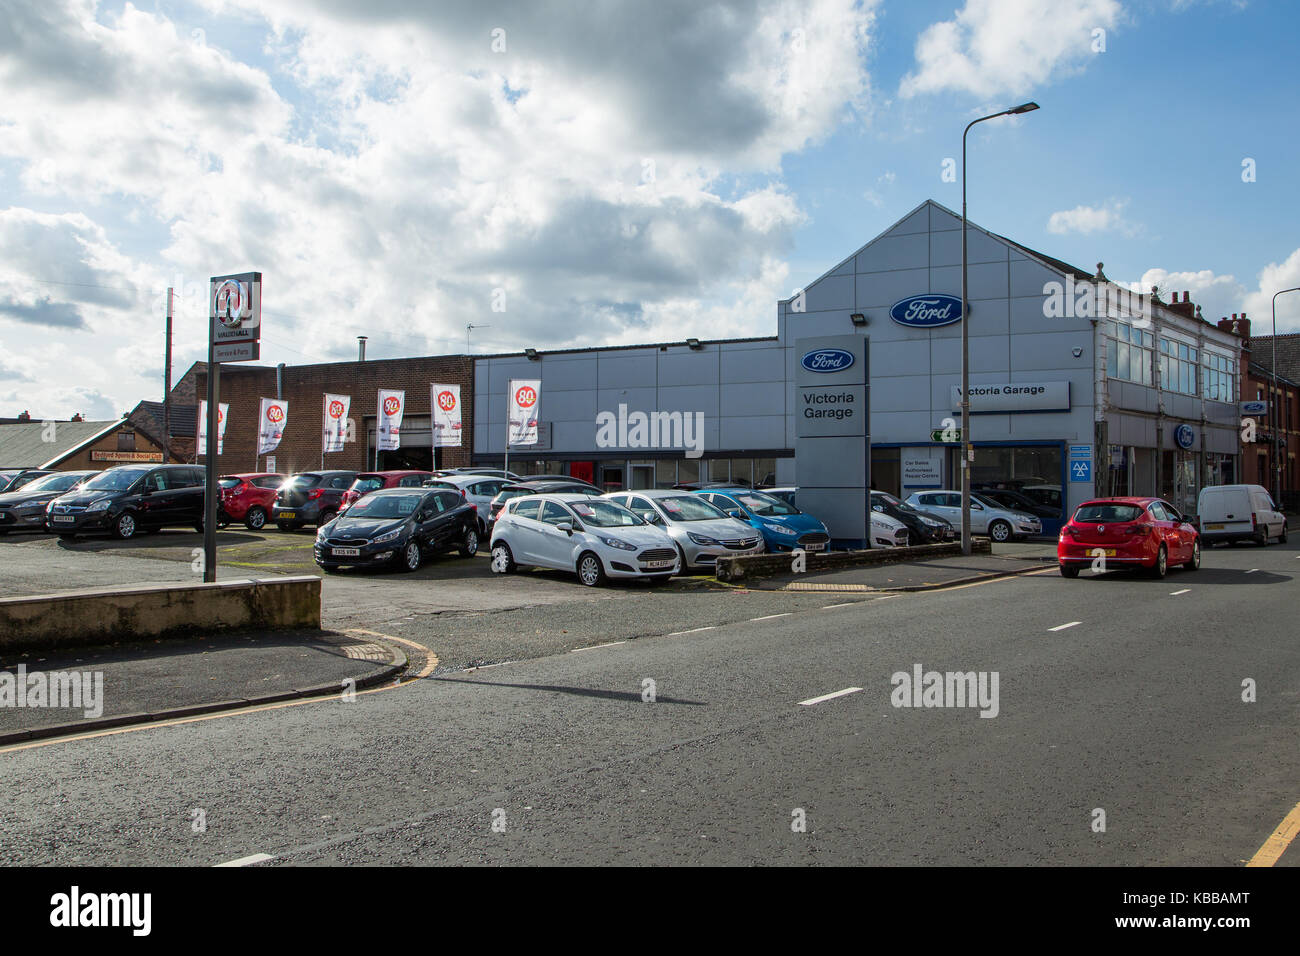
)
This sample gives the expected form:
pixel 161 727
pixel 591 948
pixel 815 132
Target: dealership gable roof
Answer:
pixel 26 445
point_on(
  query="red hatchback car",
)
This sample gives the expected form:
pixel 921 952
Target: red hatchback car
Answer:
pixel 374 480
pixel 1128 532
pixel 248 498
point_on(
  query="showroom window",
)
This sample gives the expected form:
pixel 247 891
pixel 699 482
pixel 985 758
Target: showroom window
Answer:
pixel 1219 377
pixel 1031 470
pixel 1178 362
pixel 1129 353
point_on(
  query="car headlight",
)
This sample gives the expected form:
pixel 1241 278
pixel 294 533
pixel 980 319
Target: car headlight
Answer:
pixel 703 539
pixel 617 543
pixel 388 536
pixel 100 505
pixel 776 528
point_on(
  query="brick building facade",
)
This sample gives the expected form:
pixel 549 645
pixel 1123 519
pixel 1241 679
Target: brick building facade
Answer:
pixel 1273 460
pixel 304 388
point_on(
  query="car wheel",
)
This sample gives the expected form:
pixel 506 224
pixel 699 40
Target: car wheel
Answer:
pixel 284 526
pixel 1069 571
pixel 410 556
pixel 326 518
pixel 503 562
pixel 469 547
pixel 255 520
pixel 590 571
pixel 125 527
pixel 1281 539
pixel 685 568
pixel 1161 567
pixel 1194 563
pixel 1000 531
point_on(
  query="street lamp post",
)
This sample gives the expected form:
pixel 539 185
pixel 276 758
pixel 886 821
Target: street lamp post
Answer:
pixel 1275 417
pixel 966 448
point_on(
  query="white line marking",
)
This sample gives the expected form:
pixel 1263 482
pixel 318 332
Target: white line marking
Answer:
pixel 838 693
pixel 1061 627
pixel 484 667
pixel 249 860
pixel 768 617
pixel 1252 570
pixel 1176 593
pixel 694 630
pixel 574 650
pixel 827 607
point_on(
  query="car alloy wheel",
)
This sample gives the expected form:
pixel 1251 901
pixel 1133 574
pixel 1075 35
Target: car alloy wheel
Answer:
pixel 325 519
pixel 503 561
pixel 590 571
pixel 1000 531
pixel 1195 562
pixel 255 519
pixel 1161 567
pixel 411 556
pixel 470 547
pixel 125 526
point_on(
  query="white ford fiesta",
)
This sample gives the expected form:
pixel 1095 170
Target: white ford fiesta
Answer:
pixel 593 537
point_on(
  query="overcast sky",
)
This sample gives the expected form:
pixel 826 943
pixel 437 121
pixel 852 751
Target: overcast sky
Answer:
pixel 582 173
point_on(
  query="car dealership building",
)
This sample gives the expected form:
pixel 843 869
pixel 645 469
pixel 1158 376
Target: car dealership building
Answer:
pixel 1079 387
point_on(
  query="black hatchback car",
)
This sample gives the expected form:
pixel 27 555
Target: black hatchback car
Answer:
pixel 312 497
pixel 921 528
pixel 128 499
pixel 398 526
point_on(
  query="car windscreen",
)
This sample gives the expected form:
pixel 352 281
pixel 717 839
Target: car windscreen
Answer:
pixel 298 482
pixel 367 483
pixel 56 482
pixel 385 506
pixel 689 508
pixel 765 505
pixel 604 514
pixel 1114 513
pixel 113 480
pixel 229 483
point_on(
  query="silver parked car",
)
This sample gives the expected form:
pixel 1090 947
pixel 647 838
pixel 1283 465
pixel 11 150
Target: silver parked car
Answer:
pixel 701 531
pixel 986 515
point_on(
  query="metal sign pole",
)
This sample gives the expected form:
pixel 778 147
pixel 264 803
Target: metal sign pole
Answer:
pixel 210 481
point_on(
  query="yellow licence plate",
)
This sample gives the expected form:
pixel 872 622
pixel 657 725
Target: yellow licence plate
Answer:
pixel 1214 527
pixel 1106 552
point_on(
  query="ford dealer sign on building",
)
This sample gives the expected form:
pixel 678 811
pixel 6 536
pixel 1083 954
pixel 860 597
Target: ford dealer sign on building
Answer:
pixel 827 360
pixel 927 311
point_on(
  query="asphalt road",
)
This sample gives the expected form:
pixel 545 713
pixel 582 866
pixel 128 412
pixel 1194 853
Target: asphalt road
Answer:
pixel 1136 710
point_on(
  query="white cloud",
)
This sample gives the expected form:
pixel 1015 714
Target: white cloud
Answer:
pixel 1108 217
pixel 1223 295
pixel 1008 47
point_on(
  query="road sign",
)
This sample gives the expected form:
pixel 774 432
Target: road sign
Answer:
pixel 1081 469
pixel 1080 451
pixel 948 436
pixel 237 352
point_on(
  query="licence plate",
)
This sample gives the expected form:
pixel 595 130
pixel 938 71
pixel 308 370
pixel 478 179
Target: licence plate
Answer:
pixel 658 564
pixel 1106 552
pixel 1214 527
pixel 287 514
pixel 64 519
pixel 814 547
pixel 346 552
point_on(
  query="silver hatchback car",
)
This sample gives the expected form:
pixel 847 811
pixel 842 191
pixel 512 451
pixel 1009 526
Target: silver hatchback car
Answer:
pixel 701 531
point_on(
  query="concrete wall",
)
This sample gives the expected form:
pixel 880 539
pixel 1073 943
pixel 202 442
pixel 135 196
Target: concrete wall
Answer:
pixel 101 616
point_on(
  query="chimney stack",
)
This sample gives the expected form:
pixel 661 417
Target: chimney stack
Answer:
pixel 361 348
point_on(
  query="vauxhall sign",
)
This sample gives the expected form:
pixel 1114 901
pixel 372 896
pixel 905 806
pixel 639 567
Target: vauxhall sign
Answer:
pixel 927 311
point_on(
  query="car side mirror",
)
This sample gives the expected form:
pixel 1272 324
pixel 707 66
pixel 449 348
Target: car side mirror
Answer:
pixel 735 514
pixel 566 527
pixel 878 508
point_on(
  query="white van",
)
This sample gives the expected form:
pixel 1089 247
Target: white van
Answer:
pixel 1239 513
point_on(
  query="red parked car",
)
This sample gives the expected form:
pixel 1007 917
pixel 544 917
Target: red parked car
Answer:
pixel 369 481
pixel 1128 532
pixel 248 498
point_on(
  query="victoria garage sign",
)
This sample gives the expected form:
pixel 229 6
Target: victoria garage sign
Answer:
pixel 832 449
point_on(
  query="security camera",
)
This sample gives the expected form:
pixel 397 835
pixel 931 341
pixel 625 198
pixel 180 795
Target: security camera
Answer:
pixel 1077 352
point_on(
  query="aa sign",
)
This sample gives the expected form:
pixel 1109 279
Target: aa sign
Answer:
pixel 445 402
pixel 336 422
pixel 525 396
pixel 274 416
pixel 222 408
pixel 391 405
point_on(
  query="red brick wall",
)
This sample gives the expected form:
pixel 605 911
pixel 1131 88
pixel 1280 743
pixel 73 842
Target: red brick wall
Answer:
pixel 243 387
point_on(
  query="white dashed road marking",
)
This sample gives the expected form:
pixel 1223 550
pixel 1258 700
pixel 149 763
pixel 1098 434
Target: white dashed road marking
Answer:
pixel 1176 593
pixel 694 630
pixel 249 860
pixel 768 617
pixel 827 607
pixel 823 697
pixel 596 646
pixel 1061 627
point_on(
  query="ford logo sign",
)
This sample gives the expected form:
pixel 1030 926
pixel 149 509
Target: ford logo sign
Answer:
pixel 1184 436
pixel 927 311
pixel 827 360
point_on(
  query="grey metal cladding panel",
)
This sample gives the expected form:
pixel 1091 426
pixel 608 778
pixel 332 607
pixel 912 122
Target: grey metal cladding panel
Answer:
pixel 688 367
pixel 1223 414
pixel 918 221
pixel 1028 314
pixel 752 399
pixel 1052 350
pixel 627 369
pixel 941 220
pixel 1029 277
pixel 988 353
pixel 901 393
pixel 895 252
pixel 945 248
pixel 880 290
pixel 573 436
pixel 990 317
pixel 503 370
pixel 750 432
pixel 1222 440
pixel 688 398
pixel 754 365
pixel 842 510
pixel 570 405
pixel 898 356
pixel 636 400
pixel 830 293
pixel 831 462
pixel 905 426
pixel 568 373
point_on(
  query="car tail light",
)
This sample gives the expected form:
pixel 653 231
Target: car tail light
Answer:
pixel 1143 528
pixel 1254 521
pixel 315 493
pixel 1069 529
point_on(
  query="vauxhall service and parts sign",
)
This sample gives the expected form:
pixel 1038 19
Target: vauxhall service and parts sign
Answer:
pixel 235 316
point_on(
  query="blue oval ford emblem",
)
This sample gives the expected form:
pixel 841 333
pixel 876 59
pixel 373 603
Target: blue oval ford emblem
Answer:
pixel 1184 436
pixel 927 311
pixel 827 360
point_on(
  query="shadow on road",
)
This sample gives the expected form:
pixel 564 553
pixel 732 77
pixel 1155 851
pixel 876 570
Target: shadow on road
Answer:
pixel 624 695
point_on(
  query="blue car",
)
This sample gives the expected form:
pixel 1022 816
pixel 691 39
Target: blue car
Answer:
pixel 783 526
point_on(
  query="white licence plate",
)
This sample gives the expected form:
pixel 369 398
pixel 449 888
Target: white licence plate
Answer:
pixel 814 547
pixel 658 564
pixel 64 519
pixel 346 552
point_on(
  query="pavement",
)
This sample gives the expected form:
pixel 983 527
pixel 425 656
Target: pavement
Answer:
pixel 154 680
pixel 662 745
pixel 1011 558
